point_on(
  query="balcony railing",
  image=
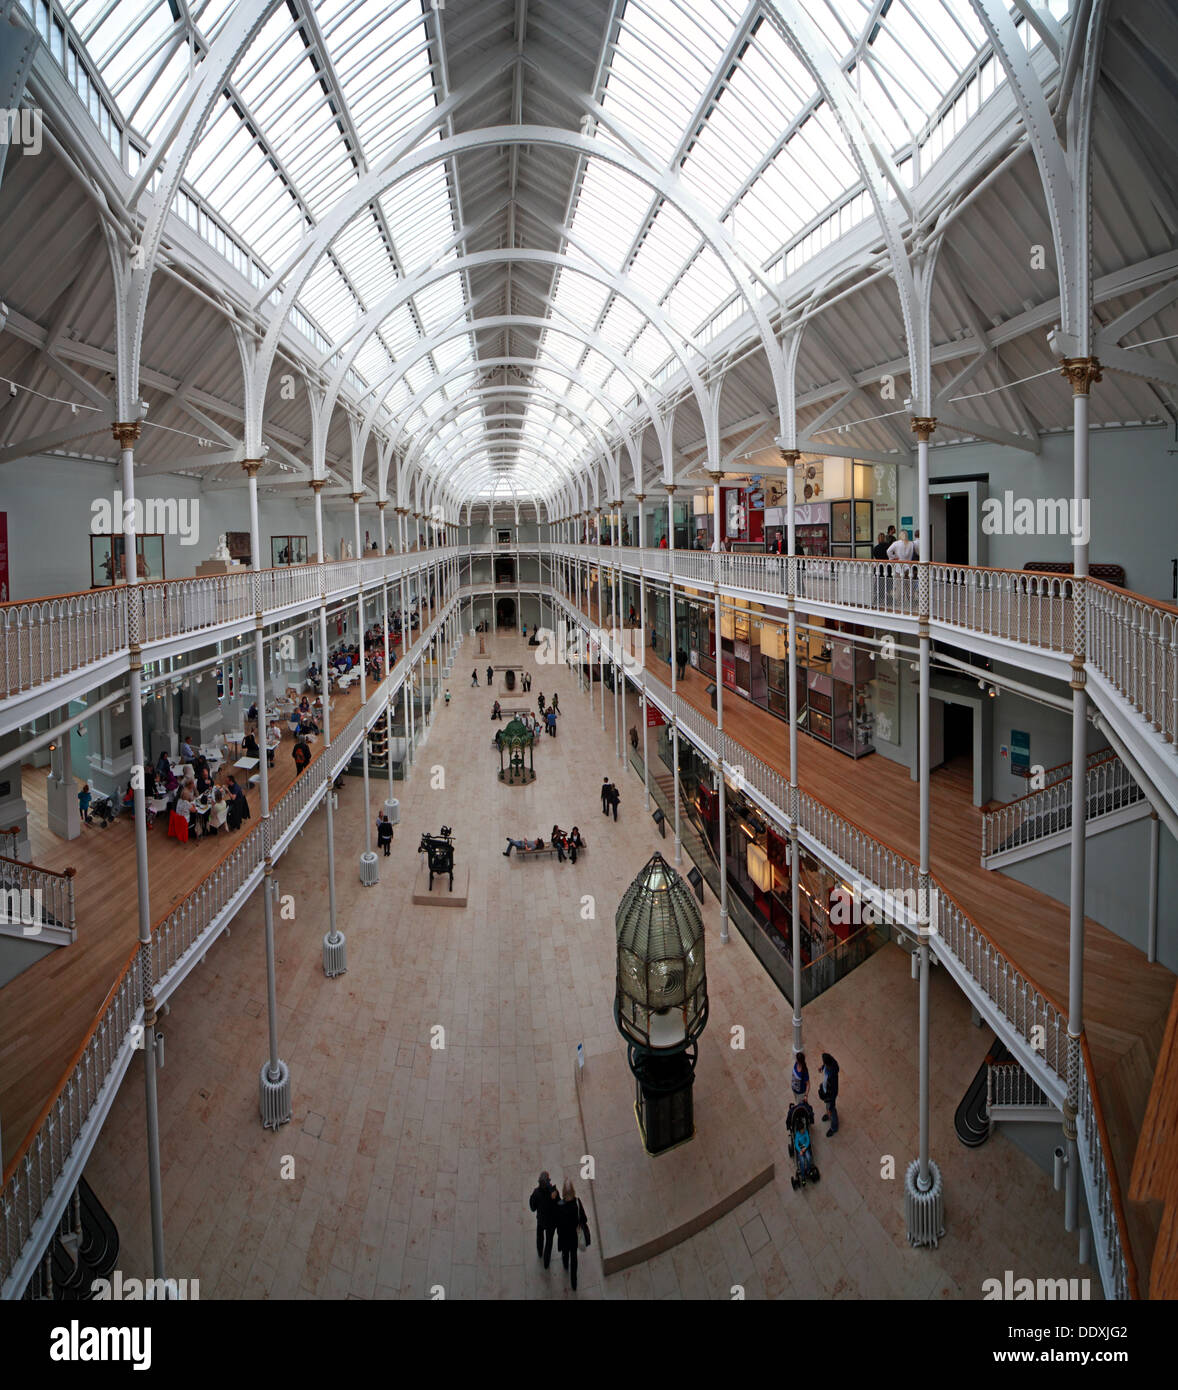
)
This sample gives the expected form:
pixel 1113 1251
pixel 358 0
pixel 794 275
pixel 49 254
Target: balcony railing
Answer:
pixel 1133 643
pixel 43 640
pixel 42 897
pixel 1108 787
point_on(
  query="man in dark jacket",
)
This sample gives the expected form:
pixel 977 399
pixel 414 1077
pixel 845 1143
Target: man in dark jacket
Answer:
pixel 570 1219
pixel 828 1092
pixel 544 1201
pixel 615 798
pixel 605 796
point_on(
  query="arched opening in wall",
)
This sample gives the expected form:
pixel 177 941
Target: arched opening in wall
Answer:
pixel 505 614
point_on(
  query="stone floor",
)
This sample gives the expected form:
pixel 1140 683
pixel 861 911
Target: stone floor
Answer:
pixel 435 1079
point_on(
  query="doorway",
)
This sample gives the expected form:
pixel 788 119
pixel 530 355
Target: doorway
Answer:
pixel 957 528
pixel 505 613
pixel 957 745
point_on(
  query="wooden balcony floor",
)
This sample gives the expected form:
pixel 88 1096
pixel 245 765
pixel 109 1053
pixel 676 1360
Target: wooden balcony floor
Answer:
pixel 46 1011
pixel 1126 1000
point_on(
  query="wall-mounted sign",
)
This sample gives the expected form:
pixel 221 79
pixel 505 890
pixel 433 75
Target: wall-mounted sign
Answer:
pixel 1020 752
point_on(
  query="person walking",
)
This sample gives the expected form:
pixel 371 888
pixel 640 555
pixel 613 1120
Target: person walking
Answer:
pixel 681 661
pixel 800 1080
pixel 474 678
pixel 447 695
pixel 828 1091
pixel 384 833
pixel 84 800
pixel 556 705
pixel 490 676
pixel 301 754
pixel 570 1222
pixel 544 1201
pixel 605 796
pixel 551 720
pixel 615 797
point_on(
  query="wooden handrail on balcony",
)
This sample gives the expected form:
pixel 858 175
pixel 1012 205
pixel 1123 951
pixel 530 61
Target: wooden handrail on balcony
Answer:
pixel 1094 760
pixel 1111 1168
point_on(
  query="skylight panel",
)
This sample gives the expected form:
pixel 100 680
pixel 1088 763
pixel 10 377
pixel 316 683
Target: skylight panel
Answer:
pixel 622 324
pixel 453 351
pixel 704 286
pixel 328 300
pixel 666 249
pixel 440 303
pixel 609 212
pixel 372 361
pixel 580 297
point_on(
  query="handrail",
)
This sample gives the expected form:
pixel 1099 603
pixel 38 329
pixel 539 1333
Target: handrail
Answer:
pixel 1106 780
pixel 1099 1147
pixel 1094 759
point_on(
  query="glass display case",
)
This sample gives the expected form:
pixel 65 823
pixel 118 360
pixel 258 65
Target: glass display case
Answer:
pixel 288 550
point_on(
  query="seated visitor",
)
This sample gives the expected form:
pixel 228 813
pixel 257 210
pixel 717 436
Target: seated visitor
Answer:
pixel 496 711
pixel 252 712
pixel 220 812
pixel 537 843
pixel 187 752
pixel 250 744
pixel 557 839
pixel 575 842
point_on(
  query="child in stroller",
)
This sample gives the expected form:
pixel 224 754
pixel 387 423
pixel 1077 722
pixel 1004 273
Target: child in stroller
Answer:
pixel 799 1119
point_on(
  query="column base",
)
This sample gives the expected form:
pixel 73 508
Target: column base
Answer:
pixel 274 1096
pixel 924 1212
pixel 335 955
pixel 369 869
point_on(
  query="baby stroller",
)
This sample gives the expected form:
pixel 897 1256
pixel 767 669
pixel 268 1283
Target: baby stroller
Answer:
pixel 799 1119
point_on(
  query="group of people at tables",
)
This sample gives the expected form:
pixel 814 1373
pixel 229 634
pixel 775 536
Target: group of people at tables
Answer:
pixel 564 843
pixel 195 804
pixel 543 721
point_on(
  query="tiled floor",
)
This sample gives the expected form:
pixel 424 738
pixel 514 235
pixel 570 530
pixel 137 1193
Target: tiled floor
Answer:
pixel 412 1162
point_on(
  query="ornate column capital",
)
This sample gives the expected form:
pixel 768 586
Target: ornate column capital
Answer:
pixel 126 432
pixel 381 504
pixel 316 485
pixel 671 488
pixel 715 474
pixel 1082 372
pixel 923 426
pixel 790 457
pixel 402 511
pixel 252 466
pixel 640 497
pixel 356 496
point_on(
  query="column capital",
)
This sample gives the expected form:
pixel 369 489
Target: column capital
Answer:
pixel 316 485
pixel 671 488
pixel 126 432
pixel 715 474
pixel 382 503
pixel 1082 372
pixel 402 511
pixel 790 457
pixel 252 466
pixel 356 496
pixel 923 426
pixel 640 497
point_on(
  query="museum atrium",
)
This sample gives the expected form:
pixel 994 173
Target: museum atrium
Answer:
pixel 787 391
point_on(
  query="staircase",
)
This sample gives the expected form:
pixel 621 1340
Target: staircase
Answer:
pixel 1042 820
pixel 84 1248
pixel 1001 1092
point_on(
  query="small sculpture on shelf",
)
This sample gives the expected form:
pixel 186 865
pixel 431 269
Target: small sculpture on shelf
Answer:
pixel 222 551
pixel 439 852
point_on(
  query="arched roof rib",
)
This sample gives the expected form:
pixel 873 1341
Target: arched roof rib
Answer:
pixel 657 162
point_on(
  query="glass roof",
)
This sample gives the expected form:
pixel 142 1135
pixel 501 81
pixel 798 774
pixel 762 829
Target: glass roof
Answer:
pixel 709 89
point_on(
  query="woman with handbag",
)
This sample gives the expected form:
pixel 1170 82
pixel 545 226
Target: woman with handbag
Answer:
pixel 571 1223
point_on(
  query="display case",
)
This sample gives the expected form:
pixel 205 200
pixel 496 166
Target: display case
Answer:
pixel 288 550
pixel 106 559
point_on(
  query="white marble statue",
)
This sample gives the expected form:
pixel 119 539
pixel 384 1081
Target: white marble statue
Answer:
pixel 222 551
pixel 345 551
